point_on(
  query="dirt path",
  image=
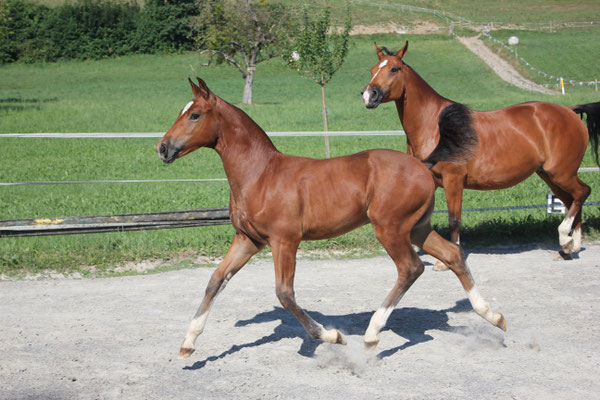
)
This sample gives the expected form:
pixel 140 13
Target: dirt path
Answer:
pixel 501 67
pixel 117 338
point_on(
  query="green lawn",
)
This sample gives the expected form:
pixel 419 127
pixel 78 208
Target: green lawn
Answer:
pixel 570 53
pixel 145 94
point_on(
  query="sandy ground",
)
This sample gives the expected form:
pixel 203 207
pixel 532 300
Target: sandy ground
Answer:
pixel 117 338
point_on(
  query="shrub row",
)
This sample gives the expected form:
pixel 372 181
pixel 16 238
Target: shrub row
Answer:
pixel 93 29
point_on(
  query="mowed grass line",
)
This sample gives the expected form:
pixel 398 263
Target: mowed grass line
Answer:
pixel 145 93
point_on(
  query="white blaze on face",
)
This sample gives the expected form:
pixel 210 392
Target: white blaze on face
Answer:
pixel 366 93
pixel 187 107
pixel 381 65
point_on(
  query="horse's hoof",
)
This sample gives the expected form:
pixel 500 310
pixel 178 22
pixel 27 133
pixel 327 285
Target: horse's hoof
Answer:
pixel 370 346
pixel 501 323
pixel 340 339
pixel 440 266
pixel 185 353
pixel 563 256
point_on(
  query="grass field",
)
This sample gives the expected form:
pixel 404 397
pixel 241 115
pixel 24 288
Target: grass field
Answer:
pixel 572 58
pixel 145 93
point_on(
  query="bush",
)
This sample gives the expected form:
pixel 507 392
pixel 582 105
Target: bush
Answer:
pixel 92 29
pixel 164 27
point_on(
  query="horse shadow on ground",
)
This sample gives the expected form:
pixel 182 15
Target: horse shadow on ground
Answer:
pixel 514 236
pixel 409 322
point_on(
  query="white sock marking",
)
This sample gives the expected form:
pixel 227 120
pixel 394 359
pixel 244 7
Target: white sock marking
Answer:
pixel 563 231
pixel 577 240
pixel 195 329
pixel 482 307
pixel 377 323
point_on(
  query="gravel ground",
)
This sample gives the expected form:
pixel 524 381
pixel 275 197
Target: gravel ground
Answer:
pixel 118 338
pixel 501 67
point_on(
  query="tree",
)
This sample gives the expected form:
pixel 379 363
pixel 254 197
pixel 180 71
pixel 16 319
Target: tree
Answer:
pixel 242 33
pixel 318 51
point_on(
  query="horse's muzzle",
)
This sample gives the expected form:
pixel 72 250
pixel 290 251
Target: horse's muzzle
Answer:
pixel 372 96
pixel 167 153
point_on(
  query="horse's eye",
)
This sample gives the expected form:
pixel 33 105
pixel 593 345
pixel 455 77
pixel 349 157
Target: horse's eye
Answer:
pixel 394 70
pixel 194 116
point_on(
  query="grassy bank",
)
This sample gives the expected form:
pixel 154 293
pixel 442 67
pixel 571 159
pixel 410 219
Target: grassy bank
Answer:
pixel 145 93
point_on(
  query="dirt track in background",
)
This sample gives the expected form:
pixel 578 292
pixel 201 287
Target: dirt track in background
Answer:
pixel 117 338
pixel 501 67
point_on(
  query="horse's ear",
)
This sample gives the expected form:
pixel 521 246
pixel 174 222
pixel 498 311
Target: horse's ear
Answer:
pixel 201 89
pixel 379 51
pixel 400 54
pixel 195 88
pixel 204 90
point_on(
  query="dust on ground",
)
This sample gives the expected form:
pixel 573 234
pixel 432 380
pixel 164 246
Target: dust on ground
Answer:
pixel 118 338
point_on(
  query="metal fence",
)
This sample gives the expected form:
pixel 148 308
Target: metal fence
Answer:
pixel 169 219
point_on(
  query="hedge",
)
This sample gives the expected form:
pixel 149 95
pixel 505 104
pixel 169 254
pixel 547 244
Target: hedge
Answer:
pixel 93 29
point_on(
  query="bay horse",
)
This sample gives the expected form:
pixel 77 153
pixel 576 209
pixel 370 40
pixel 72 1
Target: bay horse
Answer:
pixel 486 150
pixel 280 200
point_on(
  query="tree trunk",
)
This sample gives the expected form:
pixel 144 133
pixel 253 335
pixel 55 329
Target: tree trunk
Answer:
pixel 327 151
pixel 249 79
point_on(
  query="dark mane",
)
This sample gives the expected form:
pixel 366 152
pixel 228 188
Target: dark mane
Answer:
pixel 458 139
pixel 387 51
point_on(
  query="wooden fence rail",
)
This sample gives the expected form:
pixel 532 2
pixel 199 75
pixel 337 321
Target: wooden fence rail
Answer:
pixel 114 223
pixel 160 220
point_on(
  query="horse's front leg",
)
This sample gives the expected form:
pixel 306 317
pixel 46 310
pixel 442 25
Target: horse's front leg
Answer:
pixel 241 250
pixel 453 189
pixel 284 257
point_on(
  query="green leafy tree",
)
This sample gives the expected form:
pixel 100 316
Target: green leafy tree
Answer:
pixel 242 33
pixel 3 20
pixel 319 50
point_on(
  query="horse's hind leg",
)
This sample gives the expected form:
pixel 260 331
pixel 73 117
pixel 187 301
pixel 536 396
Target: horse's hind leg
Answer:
pixel 453 190
pixel 284 257
pixel 241 250
pixel 451 254
pixel 573 193
pixel 409 267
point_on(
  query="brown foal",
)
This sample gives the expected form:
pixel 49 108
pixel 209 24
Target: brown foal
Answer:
pixel 280 200
pixel 486 150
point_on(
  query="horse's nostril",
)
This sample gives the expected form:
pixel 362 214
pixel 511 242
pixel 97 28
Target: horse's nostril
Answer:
pixel 163 149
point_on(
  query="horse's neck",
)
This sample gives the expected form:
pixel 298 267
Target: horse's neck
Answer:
pixel 418 109
pixel 243 146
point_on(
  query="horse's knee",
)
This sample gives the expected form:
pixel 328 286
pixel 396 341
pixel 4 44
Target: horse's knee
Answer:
pixel 416 269
pixel 456 258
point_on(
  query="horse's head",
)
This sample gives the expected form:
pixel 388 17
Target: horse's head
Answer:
pixel 387 78
pixel 195 127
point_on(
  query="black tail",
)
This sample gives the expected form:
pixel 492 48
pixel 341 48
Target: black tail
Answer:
pixel 458 139
pixel 592 112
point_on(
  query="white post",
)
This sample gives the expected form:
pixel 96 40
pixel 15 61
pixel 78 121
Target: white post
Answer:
pixel 562 85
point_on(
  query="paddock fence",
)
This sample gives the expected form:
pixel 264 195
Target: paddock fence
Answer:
pixel 178 218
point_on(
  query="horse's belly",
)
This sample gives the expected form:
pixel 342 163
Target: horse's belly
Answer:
pixel 332 224
pixel 498 178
